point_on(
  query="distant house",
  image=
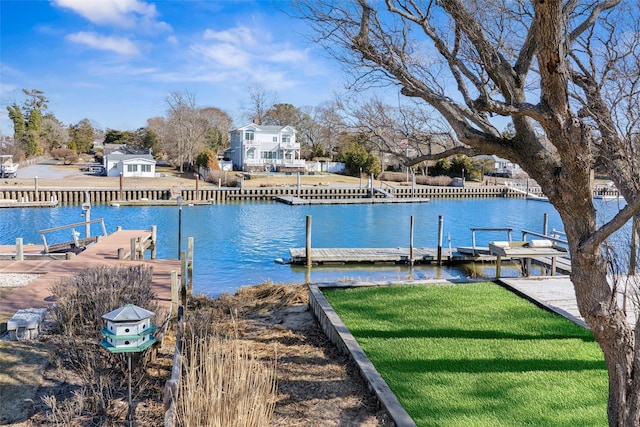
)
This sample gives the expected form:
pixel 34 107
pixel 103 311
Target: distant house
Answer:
pixel 257 147
pixel 501 167
pixel 129 163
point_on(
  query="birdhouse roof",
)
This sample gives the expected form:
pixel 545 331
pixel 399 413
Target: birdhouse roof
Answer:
pixel 128 313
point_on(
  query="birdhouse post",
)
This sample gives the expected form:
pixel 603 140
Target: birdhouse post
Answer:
pixel 128 330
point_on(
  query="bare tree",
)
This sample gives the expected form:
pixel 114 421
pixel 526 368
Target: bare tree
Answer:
pixel 259 101
pixel 405 131
pixel 544 67
pixel 187 128
pixel 218 124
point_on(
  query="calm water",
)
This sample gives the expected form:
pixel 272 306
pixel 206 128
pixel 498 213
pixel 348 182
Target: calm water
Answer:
pixel 236 244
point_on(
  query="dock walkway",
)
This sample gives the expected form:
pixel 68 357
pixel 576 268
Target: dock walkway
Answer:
pixel 381 255
pixel 555 293
pixel 37 293
pixel 295 201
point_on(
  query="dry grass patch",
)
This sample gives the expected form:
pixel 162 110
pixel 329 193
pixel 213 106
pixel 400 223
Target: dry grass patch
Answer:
pixel 21 367
pixel 316 384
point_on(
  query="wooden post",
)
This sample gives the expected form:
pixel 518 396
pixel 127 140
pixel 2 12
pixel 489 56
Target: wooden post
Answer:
pixel 154 240
pixel 174 293
pixel 121 185
pixel 140 254
pixel 134 250
pixel 190 264
pixel 197 186
pixel 36 196
pixel 411 242
pixel 19 249
pixel 498 266
pixel 440 227
pixel 298 179
pixel 183 278
pixel 545 224
pixel 308 245
pixel 120 253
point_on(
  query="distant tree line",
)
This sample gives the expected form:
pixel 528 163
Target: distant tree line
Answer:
pixel 368 135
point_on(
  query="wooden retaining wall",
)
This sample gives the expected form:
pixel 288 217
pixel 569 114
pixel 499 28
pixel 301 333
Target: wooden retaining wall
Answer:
pixel 66 196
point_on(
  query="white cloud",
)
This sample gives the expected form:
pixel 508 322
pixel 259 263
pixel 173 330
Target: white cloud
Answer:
pixel 119 13
pixel 241 35
pixel 250 54
pixel 119 45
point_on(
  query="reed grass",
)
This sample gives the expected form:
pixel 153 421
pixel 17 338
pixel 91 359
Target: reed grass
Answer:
pixel 224 384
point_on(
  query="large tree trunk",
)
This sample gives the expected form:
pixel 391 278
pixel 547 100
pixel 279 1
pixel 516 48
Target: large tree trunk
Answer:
pixel 596 296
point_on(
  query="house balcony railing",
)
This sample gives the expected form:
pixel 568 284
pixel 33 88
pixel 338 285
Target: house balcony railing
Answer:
pixel 290 145
pixel 251 143
pixel 275 162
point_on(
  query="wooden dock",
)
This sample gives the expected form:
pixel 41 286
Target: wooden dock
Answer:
pixel 558 295
pixel 147 202
pixel 293 200
pixel 106 252
pixel 381 256
pixel 33 204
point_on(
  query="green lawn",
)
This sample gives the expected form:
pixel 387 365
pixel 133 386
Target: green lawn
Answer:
pixel 477 355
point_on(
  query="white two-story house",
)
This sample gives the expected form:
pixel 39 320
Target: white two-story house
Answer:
pixel 255 147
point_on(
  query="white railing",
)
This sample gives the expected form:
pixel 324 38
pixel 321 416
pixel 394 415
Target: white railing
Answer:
pixel 275 162
pixel 290 145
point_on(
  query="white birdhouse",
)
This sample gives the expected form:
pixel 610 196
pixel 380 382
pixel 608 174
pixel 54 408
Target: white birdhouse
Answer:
pixel 128 329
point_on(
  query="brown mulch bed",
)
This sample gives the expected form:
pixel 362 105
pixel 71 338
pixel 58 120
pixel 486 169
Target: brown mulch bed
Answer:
pixel 316 384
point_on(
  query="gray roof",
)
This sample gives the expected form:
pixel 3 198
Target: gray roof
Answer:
pixel 118 156
pixel 128 313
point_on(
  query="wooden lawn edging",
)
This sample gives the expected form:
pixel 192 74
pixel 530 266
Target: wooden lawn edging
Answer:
pixel 335 329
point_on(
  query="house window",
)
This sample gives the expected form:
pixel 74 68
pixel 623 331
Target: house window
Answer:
pixel 286 138
pixel 251 154
pixel 132 168
pixel 145 168
pixel 268 155
pixel 248 135
pixel 275 139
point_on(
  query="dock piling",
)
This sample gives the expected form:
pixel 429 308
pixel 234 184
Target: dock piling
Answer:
pixel 308 240
pixel 154 240
pixel 440 230
pixel 174 293
pixel 19 249
pixel 411 242
pixel 190 264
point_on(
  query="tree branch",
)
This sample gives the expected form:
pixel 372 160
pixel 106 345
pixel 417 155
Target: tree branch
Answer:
pixel 599 236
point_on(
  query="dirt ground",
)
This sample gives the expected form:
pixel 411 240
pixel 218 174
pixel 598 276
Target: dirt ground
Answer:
pixel 316 384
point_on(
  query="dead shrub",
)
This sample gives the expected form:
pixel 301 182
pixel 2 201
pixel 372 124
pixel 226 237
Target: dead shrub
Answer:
pixel 101 397
pixel 225 179
pixel 440 181
pixel 83 299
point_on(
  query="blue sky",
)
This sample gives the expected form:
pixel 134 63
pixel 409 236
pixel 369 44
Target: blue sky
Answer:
pixel 115 61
